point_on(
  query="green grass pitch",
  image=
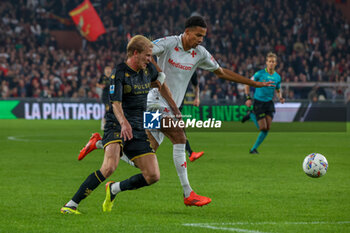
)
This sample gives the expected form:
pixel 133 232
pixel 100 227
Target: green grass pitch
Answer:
pixel 269 192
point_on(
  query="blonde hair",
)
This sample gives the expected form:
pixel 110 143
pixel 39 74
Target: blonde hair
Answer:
pixel 271 54
pixel 138 43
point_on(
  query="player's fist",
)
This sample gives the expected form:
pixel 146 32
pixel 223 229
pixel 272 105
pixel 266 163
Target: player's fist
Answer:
pixel 248 103
pixel 196 102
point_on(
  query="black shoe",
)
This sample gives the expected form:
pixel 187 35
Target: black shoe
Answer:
pixel 253 151
pixel 246 117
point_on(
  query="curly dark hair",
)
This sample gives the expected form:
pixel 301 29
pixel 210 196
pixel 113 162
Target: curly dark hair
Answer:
pixel 195 21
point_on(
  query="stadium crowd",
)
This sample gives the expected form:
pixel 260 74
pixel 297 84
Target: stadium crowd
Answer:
pixel 311 39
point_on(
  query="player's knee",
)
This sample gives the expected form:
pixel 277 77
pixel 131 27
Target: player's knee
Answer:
pixel 180 137
pixel 152 177
pixel 108 170
pixel 263 128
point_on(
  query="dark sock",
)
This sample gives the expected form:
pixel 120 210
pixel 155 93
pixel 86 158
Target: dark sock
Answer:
pixel 134 182
pixel 91 182
pixel 188 148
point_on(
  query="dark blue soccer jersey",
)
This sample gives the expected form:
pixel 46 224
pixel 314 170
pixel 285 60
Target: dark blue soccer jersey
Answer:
pixel 130 88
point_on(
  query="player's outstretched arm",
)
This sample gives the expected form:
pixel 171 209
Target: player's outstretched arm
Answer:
pixel 234 77
pixel 126 130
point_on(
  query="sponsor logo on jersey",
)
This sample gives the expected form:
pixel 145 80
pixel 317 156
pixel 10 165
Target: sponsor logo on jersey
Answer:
pixel 178 65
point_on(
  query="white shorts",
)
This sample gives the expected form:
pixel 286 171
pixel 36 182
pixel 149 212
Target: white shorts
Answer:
pixel 159 136
pixel 164 109
pixel 156 102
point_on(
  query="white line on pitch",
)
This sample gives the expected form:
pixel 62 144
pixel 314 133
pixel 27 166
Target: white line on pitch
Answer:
pixel 275 223
pixel 27 139
pixel 221 228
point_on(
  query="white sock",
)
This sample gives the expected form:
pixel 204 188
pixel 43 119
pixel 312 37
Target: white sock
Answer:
pixel 115 188
pixel 72 203
pixel 99 144
pixel 127 160
pixel 179 156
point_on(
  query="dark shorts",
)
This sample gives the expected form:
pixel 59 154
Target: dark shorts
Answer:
pixel 263 109
pixel 134 148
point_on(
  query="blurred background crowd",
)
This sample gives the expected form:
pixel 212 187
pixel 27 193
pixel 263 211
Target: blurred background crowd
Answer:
pixel 311 39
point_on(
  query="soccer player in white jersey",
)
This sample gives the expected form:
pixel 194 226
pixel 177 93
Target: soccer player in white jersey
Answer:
pixel 179 57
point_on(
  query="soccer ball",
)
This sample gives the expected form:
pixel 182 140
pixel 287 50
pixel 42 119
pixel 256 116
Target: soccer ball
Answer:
pixel 315 165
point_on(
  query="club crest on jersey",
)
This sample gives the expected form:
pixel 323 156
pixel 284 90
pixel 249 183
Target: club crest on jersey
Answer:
pixel 111 89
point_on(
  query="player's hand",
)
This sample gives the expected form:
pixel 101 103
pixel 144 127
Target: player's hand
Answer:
pixel 156 84
pixel 196 102
pixel 265 84
pixel 248 103
pixel 282 100
pixel 126 131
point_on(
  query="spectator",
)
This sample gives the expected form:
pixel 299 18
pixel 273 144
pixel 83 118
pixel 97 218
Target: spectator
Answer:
pixel 313 46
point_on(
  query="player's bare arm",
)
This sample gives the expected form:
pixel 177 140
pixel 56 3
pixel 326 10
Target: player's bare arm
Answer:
pixel 280 96
pixel 156 65
pixel 196 101
pixel 126 130
pixel 165 92
pixel 248 101
pixel 159 82
pixel 156 84
pixel 234 77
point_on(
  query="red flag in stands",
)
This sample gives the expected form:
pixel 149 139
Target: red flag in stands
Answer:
pixel 87 21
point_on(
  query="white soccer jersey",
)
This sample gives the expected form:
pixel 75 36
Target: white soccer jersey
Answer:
pixel 179 66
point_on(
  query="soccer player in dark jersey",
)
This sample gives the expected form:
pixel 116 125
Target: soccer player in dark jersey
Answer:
pixel 264 107
pixel 130 83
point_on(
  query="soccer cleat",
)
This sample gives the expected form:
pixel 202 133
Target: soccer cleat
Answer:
pixel 254 151
pixel 246 117
pixel 195 200
pixel 108 202
pixel 69 210
pixel 196 155
pixel 90 146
